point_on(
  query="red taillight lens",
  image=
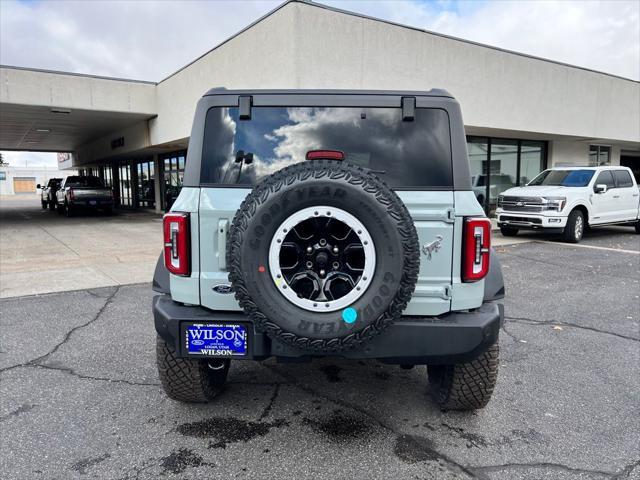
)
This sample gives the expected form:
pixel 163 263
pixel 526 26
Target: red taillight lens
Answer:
pixel 325 155
pixel 71 195
pixel 476 248
pixel 176 243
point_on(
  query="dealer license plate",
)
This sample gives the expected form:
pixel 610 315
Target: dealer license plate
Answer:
pixel 215 340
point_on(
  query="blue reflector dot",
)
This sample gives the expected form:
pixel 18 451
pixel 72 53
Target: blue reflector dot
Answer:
pixel 349 315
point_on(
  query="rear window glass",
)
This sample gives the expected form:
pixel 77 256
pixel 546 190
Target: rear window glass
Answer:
pixel 84 182
pixel 405 154
pixel 623 179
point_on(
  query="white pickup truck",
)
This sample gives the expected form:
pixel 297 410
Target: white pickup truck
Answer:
pixel 570 199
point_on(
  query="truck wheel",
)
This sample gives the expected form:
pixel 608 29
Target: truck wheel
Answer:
pixel 575 227
pixel 638 226
pixel 508 231
pixel 189 380
pixel 322 256
pixel 465 386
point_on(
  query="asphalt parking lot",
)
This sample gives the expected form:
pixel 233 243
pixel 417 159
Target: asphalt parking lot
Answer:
pixel 80 397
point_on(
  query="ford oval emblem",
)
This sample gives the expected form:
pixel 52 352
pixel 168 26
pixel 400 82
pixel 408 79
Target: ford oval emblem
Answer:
pixel 223 288
pixel 197 342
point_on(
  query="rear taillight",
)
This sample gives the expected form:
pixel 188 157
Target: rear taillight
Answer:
pixel 176 243
pixel 71 195
pixel 476 248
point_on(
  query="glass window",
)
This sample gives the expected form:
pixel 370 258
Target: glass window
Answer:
pixel 623 179
pixel 171 177
pixel 599 155
pixel 404 154
pixel 125 185
pixel 565 178
pixel 77 181
pixel 503 169
pixel 146 185
pixel 478 157
pixel 605 178
pixel 531 160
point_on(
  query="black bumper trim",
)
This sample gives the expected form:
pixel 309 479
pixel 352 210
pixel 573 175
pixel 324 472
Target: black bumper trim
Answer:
pixel 457 337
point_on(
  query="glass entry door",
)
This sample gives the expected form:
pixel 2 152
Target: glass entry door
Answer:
pixel 125 185
pixel 146 184
pixel 173 165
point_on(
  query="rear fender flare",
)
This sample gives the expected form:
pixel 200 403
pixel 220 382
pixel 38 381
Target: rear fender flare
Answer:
pixel 161 283
pixel 494 282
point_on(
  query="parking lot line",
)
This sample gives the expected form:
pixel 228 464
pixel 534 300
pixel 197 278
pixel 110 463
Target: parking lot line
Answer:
pixel 622 250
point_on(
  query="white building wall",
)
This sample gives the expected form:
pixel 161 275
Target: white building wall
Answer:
pixel 54 89
pixel 306 46
pixel 41 175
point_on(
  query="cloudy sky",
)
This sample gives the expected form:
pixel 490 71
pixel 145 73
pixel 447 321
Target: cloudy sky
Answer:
pixel 149 39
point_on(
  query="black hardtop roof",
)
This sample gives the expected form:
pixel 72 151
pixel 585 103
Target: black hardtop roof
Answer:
pixel 434 92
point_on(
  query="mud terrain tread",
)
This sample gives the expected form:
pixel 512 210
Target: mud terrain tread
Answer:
pixel 465 386
pixel 354 175
pixel 187 380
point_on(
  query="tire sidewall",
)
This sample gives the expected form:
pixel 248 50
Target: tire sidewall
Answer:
pixel 386 293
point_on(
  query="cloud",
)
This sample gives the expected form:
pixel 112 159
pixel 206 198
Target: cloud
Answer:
pixel 145 40
pixel 30 159
pixel 151 39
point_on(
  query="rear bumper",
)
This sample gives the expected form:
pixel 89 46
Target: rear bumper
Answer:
pixel 453 338
pixel 92 203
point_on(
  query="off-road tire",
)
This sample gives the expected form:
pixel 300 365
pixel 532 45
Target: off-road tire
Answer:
pixel 508 231
pixel 188 380
pixel 282 318
pixel 465 386
pixel 569 234
pixel 638 226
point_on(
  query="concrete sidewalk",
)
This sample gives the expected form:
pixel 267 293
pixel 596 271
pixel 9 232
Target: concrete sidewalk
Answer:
pixel 43 252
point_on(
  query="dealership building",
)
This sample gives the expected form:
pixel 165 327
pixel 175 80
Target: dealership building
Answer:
pixel 522 113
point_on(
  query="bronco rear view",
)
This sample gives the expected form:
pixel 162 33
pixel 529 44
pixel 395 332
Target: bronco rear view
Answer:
pixel 315 223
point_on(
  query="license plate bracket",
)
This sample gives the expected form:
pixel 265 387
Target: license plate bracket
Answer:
pixel 213 339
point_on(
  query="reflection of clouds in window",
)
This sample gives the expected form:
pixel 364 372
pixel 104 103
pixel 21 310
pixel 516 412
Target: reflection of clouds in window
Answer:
pixel 406 153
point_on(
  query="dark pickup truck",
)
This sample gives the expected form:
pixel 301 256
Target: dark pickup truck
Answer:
pixel 84 192
pixel 48 193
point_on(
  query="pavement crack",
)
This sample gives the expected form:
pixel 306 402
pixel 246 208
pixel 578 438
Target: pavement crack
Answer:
pixel 454 466
pixel 70 333
pixel 82 376
pixel 18 411
pixel 626 470
pixel 544 465
pixel 38 361
pixel 530 321
pixel 269 406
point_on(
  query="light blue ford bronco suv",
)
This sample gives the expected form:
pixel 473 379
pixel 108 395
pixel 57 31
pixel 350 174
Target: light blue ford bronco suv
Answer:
pixel 315 223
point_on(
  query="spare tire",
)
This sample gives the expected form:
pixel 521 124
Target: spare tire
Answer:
pixel 322 256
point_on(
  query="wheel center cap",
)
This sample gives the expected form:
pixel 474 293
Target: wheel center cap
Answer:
pixel 322 259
